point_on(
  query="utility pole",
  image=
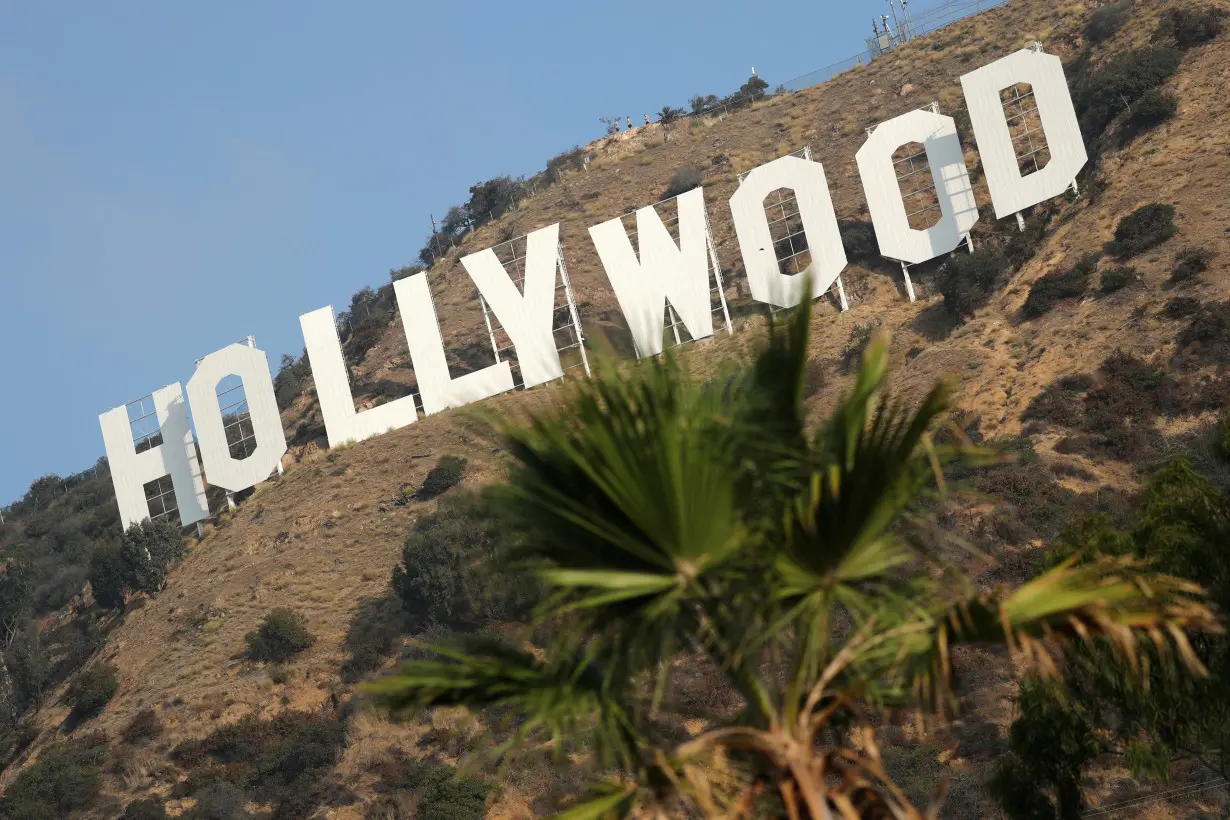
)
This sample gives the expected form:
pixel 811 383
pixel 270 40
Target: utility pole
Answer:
pixel 896 22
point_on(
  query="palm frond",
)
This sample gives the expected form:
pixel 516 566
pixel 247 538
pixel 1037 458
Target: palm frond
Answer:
pixel 1115 599
pixel 567 698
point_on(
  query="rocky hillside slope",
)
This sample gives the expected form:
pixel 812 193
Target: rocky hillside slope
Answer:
pixel 327 534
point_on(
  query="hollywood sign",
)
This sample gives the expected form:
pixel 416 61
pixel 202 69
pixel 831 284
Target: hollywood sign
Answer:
pixel 658 273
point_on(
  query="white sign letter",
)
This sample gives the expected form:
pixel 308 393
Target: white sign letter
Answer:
pixel 811 191
pixel 438 390
pixel 342 422
pixel 664 271
pixel 250 365
pixel 958 211
pixel 528 317
pixel 176 456
pixel 1011 192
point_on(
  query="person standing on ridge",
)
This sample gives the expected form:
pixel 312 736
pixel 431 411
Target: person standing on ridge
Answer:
pixel 647 119
pixel 629 123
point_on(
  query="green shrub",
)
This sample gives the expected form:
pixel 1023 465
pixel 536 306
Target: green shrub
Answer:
pixel 1207 337
pixel 280 636
pixel 139 563
pixel 65 779
pixel 446 475
pixel 1116 279
pixel 684 180
pixel 1111 90
pixel 281 760
pixel 1107 20
pixel 372 636
pixel 147 808
pixel 859 240
pixel 1189 27
pixel 29 668
pixel 1059 402
pixel 279 674
pixel 1221 440
pixel 220 801
pixel 92 690
pixel 451 571
pixel 967 281
pixel 1146 227
pixel 1058 285
pixel 860 337
pixel 1181 307
pixel 443 793
pixel 1189 263
pixel 144 726
pixel 1155 107
pixel 108 581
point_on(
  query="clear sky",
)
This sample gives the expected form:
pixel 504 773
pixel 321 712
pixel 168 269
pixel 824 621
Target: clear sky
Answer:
pixel 176 176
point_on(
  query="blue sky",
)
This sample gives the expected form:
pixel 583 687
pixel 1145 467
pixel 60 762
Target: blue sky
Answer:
pixel 176 176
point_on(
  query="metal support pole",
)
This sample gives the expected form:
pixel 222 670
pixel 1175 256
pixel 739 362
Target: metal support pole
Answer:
pixel 230 501
pixel 969 241
pixel 200 530
pixel 717 275
pixel 490 333
pixel 1020 222
pixel 670 312
pixel 572 306
pixel 1076 189
pixel 909 285
pixel 841 296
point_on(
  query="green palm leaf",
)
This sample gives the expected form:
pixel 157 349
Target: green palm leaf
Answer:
pixel 563 698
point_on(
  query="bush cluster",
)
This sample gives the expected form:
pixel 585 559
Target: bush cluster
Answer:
pixel 147 808
pixel 286 760
pixel 442 793
pixel 139 563
pixel 1115 408
pixel 967 281
pixel 1116 279
pixel 92 690
pixel 446 475
pixel 1113 89
pixel 1189 263
pixel 451 571
pixel 1144 228
pixel 144 726
pixel 219 801
pixel 1206 339
pixel 1189 27
pixel 1106 21
pixel 1181 307
pixel 1050 289
pixel 372 636
pixel 684 180
pixel 282 635
pixel 860 337
pixel 1059 403
pixel 1155 107
pixel 65 779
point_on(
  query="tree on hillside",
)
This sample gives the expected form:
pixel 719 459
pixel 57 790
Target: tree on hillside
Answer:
pixel 139 563
pixel 1182 527
pixel 665 515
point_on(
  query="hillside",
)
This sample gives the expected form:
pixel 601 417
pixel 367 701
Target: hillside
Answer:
pixel 325 537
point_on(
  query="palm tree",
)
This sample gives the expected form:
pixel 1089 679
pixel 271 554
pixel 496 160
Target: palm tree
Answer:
pixel 671 516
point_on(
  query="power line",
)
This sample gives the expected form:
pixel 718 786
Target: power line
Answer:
pixel 1172 794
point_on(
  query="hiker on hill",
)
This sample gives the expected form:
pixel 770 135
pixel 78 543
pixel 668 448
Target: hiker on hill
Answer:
pixel 647 119
pixel 629 123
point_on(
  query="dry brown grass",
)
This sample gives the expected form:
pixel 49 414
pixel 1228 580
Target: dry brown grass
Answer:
pixel 329 534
